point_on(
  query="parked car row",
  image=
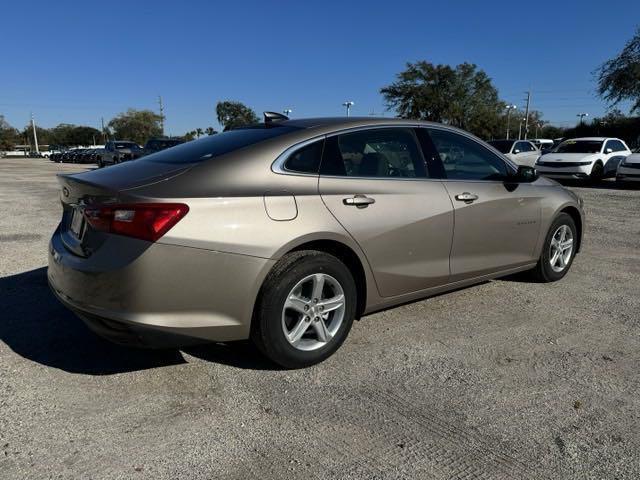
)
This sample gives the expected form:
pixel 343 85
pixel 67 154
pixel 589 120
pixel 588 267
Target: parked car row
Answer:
pixel 588 158
pixel 78 155
pixel 115 151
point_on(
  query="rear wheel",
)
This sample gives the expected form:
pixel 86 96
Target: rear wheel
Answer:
pixel 558 251
pixel 306 309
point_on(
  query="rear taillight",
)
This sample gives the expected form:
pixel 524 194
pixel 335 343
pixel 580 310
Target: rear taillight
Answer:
pixel 146 221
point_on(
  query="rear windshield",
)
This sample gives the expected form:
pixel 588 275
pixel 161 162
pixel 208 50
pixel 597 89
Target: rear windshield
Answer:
pixel 579 146
pixel 503 146
pixel 218 144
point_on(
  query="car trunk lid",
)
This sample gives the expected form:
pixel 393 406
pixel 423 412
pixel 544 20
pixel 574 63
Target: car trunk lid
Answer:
pixel 103 186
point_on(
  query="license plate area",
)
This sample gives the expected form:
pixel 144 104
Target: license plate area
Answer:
pixel 77 223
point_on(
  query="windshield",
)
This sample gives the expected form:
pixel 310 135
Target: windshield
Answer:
pixel 580 146
pixel 217 145
pixel 503 146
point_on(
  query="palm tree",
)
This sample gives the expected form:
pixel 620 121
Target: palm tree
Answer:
pixel 210 131
pixel 199 132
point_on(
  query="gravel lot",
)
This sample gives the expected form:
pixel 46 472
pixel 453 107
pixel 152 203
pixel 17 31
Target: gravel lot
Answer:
pixel 507 379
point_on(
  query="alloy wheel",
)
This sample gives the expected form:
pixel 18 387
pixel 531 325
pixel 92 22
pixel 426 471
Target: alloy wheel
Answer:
pixel 313 312
pixel 561 248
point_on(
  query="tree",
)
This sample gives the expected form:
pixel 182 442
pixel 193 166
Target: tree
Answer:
pixel 462 96
pixel 199 132
pixel 9 136
pixel 234 114
pixel 136 125
pixel 619 77
pixel 73 135
pixel 210 131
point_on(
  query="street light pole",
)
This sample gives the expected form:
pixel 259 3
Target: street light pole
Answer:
pixel 287 111
pixel 520 128
pixel 509 108
pixel 348 105
pixel 582 115
pixel 35 136
pixel 526 116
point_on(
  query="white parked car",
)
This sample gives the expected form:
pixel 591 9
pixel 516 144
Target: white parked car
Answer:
pixel 589 158
pixel 521 152
pixel 629 168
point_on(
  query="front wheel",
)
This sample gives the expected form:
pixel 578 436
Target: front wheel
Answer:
pixel 306 309
pixel 597 173
pixel 558 251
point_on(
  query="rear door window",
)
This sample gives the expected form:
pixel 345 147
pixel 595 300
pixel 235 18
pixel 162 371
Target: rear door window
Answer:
pixel 374 153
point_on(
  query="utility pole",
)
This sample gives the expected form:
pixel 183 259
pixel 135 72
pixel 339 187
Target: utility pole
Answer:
pixel 104 133
pixel 509 108
pixel 161 114
pixel 348 105
pixel 35 136
pixel 526 116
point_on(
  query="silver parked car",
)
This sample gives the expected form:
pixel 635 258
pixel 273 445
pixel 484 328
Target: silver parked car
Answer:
pixel 286 232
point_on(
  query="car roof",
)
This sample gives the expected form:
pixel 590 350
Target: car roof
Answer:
pixel 593 139
pixel 347 122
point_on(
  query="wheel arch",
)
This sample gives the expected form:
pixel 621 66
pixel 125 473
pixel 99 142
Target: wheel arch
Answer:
pixel 574 213
pixel 344 253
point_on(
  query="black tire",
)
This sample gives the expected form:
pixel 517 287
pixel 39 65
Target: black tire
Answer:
pixel 267 331
pixel 543 271
pixel 597 173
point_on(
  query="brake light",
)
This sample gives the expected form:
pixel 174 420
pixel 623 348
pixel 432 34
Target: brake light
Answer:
pixel 146 221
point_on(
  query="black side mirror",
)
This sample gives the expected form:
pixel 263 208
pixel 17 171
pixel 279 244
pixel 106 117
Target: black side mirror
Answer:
pixel 526 174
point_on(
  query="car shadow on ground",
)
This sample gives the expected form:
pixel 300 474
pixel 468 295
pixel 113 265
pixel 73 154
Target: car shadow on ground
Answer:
pixel 35 325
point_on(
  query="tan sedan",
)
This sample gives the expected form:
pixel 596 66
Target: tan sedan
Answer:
pixel 286 232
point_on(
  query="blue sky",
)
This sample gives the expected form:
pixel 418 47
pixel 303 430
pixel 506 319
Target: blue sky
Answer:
pixel 76 62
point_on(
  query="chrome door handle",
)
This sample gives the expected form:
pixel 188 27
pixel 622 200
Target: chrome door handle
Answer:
pixel 360 201
pixel 466 197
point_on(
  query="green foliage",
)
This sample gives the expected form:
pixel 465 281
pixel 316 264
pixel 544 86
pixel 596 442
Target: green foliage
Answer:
pixel 71 135
pixel 619 77
pixel 614 124
pixel 462 96
pixel 234 114
pixel 9 136
pixel 136 125
pixel 210 131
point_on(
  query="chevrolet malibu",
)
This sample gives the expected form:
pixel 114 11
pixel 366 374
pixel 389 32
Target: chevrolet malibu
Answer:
pixel 287 231
pixel 589 158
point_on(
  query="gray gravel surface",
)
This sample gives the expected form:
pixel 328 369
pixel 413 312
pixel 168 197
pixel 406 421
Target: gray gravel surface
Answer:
pixel 507 379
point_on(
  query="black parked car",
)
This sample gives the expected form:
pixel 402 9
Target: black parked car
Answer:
pixel 154 145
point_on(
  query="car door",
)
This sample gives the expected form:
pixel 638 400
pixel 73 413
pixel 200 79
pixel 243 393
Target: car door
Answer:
pixel 532 154
pixel 497 220
pixel 518 153
pixel 614 152
pixel 375 182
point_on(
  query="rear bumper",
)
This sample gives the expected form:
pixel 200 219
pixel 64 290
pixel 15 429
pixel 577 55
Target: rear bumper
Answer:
pixel 158 295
